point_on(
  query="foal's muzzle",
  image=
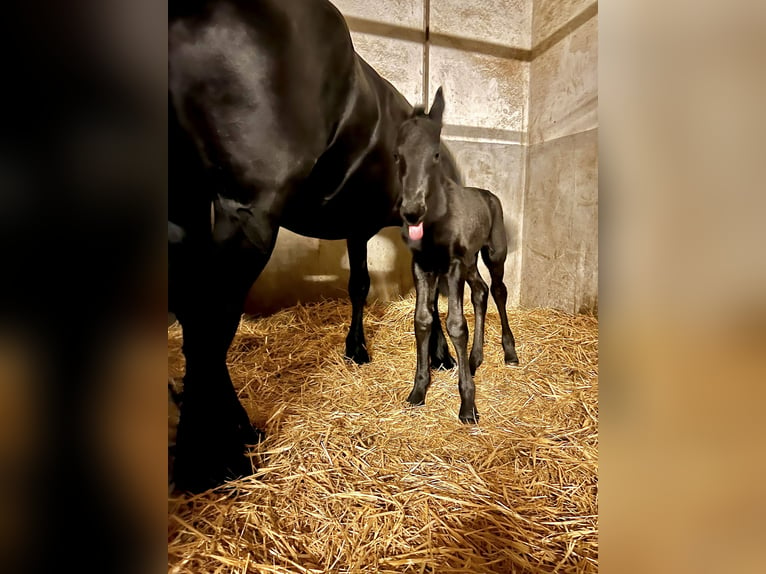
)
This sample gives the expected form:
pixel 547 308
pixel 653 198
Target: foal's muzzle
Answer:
pixel 413 213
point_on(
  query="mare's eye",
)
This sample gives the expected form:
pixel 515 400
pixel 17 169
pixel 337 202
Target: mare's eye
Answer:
pixel 396 157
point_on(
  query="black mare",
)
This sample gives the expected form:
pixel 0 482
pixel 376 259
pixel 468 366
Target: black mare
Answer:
pixel 274 121
pixel 445 226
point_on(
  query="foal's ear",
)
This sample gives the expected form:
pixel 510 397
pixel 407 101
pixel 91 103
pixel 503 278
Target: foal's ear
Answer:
pixel 437 108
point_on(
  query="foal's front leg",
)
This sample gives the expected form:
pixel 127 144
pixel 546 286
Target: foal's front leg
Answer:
pixel 425 287
pixel 458 332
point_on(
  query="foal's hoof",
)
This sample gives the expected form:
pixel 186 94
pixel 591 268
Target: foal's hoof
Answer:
pixel 512 359
pixel 474 365
pixel 470 418
pixel 444 363
pixel 417 398
pixel 358 354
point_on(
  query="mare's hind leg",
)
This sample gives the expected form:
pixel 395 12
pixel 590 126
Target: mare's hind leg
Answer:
pixel 479 294
pixel 495 261
pixel 358 288
pixel 437 345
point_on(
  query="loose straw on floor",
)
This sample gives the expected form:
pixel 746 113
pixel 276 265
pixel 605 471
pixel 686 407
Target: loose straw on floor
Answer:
pixel 351 479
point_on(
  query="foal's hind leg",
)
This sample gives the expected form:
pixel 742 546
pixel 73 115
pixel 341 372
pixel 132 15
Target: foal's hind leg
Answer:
pixel 495 261
pixel 437 345
pixel 358 288
pixel 479 294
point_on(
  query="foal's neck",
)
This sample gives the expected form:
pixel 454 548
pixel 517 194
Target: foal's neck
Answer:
pixel 436 196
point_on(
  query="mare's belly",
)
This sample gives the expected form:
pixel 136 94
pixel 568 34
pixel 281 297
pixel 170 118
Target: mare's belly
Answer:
pixel 349 215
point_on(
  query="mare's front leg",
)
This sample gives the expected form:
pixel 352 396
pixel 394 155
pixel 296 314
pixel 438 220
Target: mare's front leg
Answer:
pixel 358 288
pixel 213 428
pixel 425 286
pixel 458 332
pixel 208 283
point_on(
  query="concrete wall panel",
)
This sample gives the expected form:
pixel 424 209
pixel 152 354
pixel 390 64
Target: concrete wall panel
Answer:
pixel 504 22
pixel 407 13
pixel 560 236
pixel 550 15
pixel 398 61
pixel 564 86
pixel 480 90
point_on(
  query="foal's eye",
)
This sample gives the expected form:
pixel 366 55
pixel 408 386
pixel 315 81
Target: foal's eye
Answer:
pixel 396 157
pixel 436 156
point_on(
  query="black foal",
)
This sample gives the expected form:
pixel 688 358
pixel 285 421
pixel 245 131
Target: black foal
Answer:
pixel 445 227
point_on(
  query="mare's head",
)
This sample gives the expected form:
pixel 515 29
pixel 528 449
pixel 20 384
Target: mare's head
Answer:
pixel 417 157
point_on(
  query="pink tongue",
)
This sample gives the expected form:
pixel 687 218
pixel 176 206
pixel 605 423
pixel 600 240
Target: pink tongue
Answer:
pixel 416 231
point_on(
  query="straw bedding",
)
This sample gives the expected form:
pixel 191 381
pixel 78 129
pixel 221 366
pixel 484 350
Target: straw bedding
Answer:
pixel 351 479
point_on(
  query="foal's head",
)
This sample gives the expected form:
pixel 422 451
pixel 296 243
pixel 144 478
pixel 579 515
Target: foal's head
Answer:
pixel 417 157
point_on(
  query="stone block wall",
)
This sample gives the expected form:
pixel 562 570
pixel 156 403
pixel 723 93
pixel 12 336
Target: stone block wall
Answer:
pixel 560 236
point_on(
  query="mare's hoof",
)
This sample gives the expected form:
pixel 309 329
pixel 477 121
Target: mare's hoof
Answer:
pixel 205 464
pixel 359 355
pixel 445 363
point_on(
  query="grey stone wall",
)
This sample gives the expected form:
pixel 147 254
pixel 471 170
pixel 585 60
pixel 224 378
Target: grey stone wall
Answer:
pixel 520 83
pixel 560 235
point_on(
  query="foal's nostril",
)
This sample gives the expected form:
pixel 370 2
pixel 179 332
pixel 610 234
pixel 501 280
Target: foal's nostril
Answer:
pixel 412 217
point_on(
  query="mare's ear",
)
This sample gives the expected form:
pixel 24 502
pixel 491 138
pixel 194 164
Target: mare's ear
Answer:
pixel 437 108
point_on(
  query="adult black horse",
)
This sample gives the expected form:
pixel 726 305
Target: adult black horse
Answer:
pixel 274 121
